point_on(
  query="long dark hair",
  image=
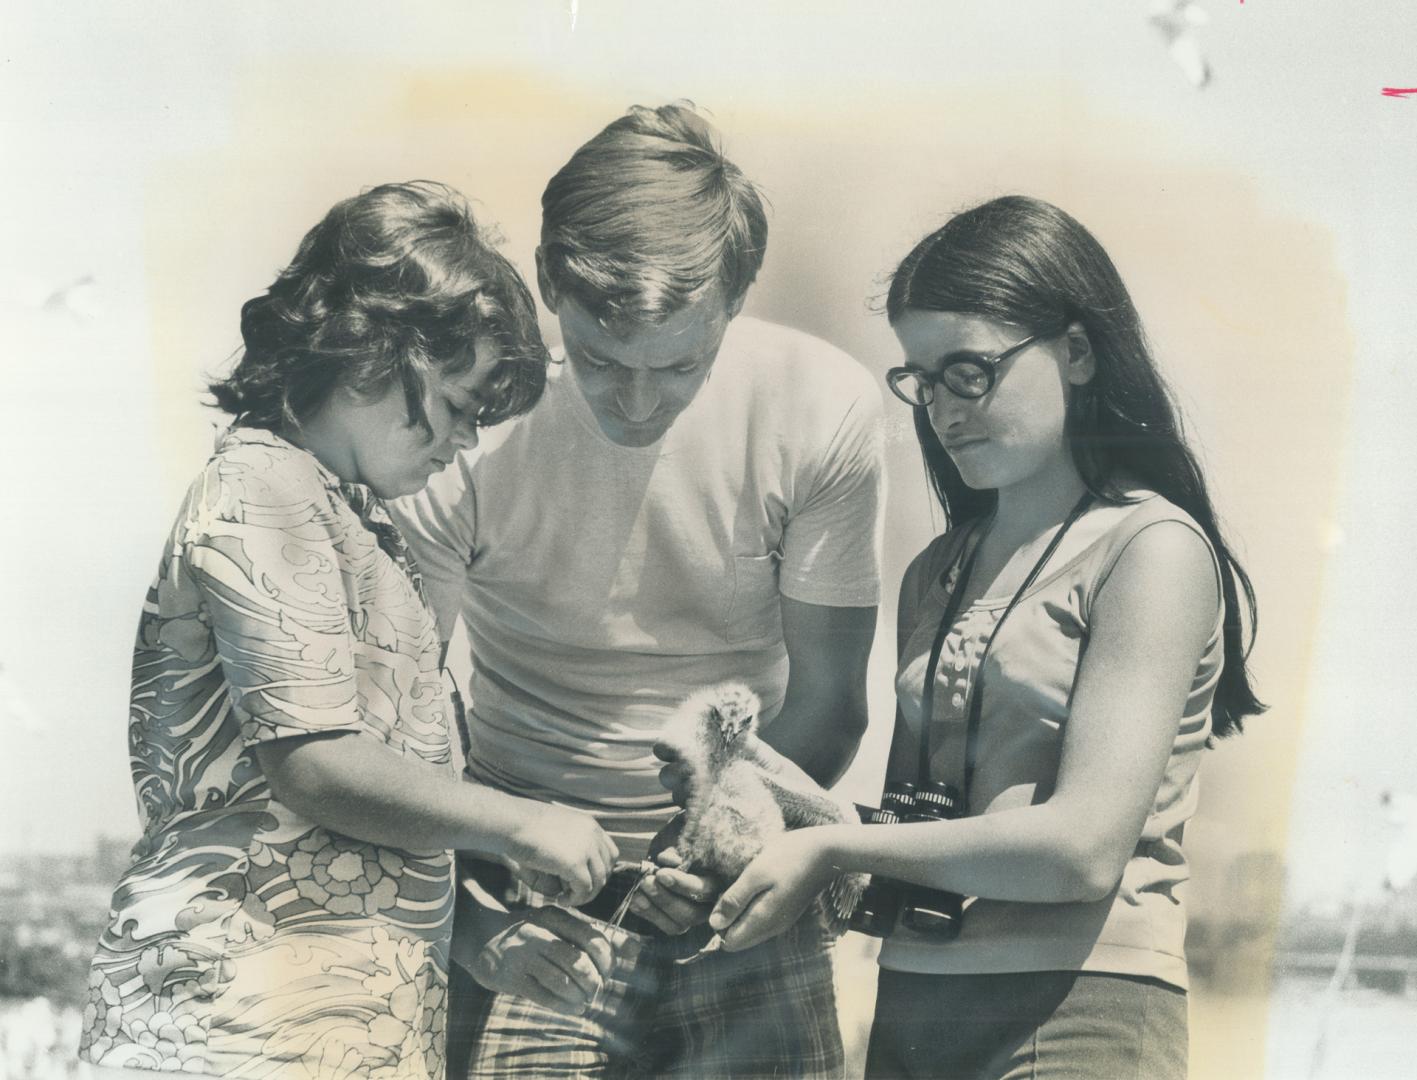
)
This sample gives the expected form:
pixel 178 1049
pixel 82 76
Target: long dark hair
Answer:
pixel 393 284
pixel 1024 262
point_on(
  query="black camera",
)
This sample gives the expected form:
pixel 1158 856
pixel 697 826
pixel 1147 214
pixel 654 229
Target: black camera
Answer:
pixel 885 901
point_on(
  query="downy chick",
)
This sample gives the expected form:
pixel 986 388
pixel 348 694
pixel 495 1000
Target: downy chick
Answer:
pixel 730 811
pixel 741 791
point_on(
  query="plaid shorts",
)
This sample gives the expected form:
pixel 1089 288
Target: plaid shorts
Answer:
pixel 768 1011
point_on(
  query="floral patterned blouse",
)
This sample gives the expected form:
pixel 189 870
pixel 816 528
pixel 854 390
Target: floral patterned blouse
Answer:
pixel 244 940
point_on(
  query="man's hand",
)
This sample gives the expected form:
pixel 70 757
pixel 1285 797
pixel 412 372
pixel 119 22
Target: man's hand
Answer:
pixel 671 898
pixel 563 854
pixel 551 957
pixel 675 774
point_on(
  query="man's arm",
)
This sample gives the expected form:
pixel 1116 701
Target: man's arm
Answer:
pixel 829 579
pixel 824 711
pixel 351 783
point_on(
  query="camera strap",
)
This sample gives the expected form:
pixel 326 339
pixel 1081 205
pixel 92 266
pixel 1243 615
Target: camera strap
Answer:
pixel 976 693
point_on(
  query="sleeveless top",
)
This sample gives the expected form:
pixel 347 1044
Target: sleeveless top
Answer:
pixel 1139 928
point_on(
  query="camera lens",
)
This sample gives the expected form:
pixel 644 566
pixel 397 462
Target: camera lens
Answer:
pixel 938 801
pixel 871 815
pixel 878 908
pixel 899 797
pixel 933 913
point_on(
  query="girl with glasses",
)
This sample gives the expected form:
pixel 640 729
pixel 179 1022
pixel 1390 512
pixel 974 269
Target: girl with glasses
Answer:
pixel 1067 649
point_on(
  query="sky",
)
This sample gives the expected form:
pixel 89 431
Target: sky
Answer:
pixel 162 160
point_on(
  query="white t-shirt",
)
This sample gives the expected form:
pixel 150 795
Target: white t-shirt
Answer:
pixel 600 584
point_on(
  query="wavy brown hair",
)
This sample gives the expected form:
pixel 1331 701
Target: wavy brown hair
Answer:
pixel 394 284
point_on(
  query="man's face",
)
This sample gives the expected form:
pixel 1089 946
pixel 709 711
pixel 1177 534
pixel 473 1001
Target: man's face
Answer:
pixel 638 378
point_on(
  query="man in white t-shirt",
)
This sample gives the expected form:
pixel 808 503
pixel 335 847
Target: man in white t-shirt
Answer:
pixel 695 499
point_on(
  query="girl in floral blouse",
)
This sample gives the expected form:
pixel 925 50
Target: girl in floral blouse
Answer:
pixel 288 909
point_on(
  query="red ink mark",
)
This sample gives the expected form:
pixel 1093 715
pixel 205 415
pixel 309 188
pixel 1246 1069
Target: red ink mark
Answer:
pixel 1397 92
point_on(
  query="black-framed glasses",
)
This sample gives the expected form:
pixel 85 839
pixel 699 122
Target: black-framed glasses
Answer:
pixel 967 376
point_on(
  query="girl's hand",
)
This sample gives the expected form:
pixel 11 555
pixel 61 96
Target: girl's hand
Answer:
pixel 774 889
pixel 562 853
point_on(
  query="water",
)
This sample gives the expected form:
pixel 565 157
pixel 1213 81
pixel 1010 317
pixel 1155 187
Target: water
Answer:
pixel 1357 1032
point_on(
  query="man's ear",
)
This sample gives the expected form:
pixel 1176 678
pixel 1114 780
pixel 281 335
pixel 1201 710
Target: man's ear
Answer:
pixel 735 306
pixel 1082 361
pixel 543 283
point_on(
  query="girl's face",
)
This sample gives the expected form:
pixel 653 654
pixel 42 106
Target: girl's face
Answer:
pixel 1013 433
pixel 394 457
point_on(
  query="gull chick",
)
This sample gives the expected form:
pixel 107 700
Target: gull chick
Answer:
pixel 730 811
pixel 741 792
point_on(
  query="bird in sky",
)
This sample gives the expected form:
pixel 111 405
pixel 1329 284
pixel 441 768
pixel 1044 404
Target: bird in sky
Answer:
pixel 1176 20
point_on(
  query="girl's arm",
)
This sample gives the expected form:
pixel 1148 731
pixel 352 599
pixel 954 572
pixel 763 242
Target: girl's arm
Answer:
pixel 353 784
pixel 260 551
pixel 1152 620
